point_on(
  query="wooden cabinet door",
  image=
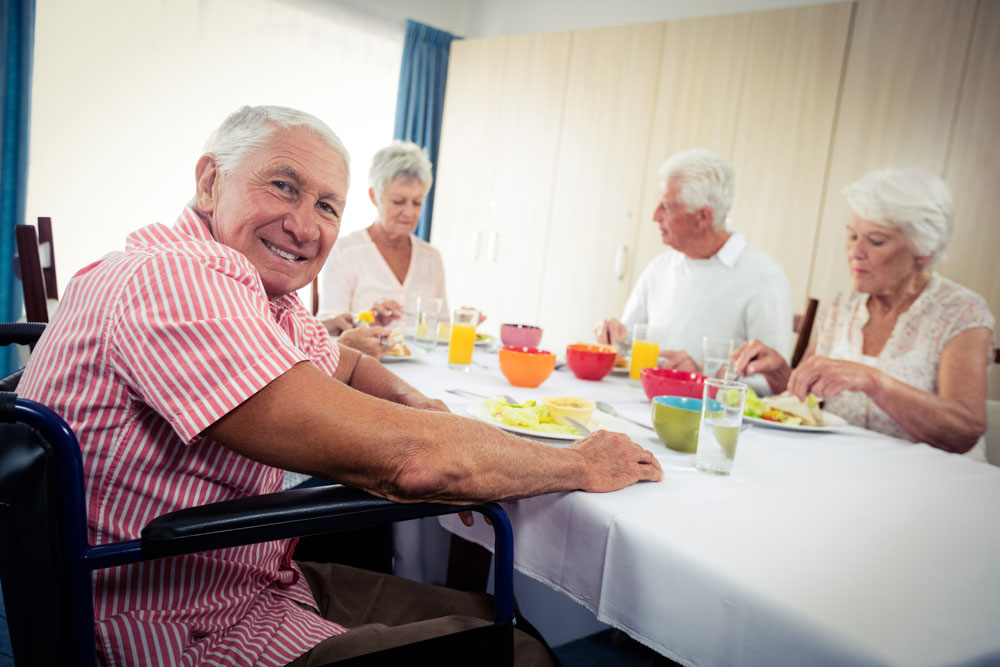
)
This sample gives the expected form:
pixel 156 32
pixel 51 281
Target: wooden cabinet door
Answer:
pixel 697 101
pixel 900 92
pixel 794 64
pixel 527 135
pixel 465 165
pixel 972 169
pixel 610 94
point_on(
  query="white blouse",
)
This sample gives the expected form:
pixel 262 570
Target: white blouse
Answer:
pixel 356 275
pixel 912 354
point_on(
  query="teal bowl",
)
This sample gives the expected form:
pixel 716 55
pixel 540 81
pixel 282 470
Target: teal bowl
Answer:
pixel 676 420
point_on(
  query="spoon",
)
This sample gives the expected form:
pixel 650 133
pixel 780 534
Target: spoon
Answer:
pixel 610 409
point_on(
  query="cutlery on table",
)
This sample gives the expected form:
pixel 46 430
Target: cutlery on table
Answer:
pixel 583 430
pixel 467 394
pixel 607 408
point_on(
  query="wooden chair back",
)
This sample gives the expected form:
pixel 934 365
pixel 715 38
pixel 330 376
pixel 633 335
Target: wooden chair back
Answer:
pixel 29 269
pixel 802 324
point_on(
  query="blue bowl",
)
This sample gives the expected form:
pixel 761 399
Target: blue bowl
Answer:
pixel 677 418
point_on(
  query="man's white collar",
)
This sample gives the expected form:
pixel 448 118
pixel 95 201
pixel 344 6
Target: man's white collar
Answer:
pixel 731 250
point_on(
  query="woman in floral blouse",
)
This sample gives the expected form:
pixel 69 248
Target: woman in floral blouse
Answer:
pixel 905 352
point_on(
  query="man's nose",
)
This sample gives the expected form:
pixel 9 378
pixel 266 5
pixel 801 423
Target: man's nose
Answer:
pixel 300 224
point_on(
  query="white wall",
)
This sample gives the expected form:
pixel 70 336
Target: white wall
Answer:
pixel 125 92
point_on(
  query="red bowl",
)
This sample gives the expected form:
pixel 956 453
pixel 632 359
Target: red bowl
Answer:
pixel 671 382
pixel 590 362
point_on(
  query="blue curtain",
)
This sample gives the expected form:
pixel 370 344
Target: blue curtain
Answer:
pixel 15 100
pixel 420 99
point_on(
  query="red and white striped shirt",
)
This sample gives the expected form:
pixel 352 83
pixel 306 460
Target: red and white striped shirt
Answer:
pixel 150 347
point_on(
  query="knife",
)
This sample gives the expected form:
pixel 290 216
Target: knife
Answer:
pixel 577 425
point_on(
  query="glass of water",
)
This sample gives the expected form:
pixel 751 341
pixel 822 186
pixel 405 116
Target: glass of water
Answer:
pixel 721 417
pixel 716 357
pixel 428 314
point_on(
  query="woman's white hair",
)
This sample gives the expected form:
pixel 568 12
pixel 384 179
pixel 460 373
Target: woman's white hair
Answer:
pixel 915 201
pixel 704 179
pixel 400 159
pixel 248 130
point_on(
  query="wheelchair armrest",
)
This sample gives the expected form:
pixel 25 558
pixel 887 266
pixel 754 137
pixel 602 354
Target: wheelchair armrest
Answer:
pixel 276 516
pixel 321 509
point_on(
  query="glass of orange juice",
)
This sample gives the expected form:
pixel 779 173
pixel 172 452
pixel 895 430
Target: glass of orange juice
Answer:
pixel 463 338
pixel 645 349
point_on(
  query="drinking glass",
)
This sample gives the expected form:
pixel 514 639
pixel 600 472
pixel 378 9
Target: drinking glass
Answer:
pixel 463 338
pixel 721 417
pixel 645 348
pixel 428 313
pixel 716 358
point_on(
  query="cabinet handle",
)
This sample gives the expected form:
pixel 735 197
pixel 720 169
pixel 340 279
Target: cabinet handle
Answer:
pixel 620 262
pixel 476 238
pixel 494 246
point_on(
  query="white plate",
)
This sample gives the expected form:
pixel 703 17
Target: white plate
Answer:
pixel 599 420
pixel 415 353
pixel 833 422
pixel 479 343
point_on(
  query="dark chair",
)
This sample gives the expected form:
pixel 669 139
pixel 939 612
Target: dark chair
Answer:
pixel 803 326
pixel 46 560
pixel 35 266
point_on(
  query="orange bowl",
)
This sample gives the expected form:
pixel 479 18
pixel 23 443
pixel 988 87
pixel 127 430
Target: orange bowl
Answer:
pixel 590 362
pixel 526 366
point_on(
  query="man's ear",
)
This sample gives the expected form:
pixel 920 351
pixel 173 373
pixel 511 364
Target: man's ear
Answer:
pixel 705 217
pixel 371 195
pixel 206 177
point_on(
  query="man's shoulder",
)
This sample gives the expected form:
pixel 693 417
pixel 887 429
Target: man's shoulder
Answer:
pixel 161 247
pixel 758 261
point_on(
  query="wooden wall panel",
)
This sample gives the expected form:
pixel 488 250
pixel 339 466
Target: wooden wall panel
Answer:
pixel 605 125
pixel 794 64
pixel 697 101
pixel 973 165
pixel 520 197
pixel 464 172
pixel 900 93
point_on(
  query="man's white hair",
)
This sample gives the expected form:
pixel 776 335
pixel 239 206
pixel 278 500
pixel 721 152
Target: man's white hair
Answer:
pixel 400 159
pixel 248 130
pixel 703 179
pixel 915 201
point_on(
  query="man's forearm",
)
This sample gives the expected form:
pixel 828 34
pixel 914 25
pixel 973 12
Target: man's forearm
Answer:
pixel 374 379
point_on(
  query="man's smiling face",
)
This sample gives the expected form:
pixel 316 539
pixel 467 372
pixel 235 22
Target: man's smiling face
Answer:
pixel 281 206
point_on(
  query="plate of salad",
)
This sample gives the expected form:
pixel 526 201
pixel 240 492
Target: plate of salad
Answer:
pixel 788 412
pixel 532 418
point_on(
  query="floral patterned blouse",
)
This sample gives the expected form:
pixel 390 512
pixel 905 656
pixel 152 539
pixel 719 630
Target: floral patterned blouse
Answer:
pixel 911 354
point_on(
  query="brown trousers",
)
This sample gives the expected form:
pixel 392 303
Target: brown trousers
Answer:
pixel 382 611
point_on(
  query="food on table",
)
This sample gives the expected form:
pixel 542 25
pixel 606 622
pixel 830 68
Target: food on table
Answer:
pixel 528 415
pixel 621 362
pixel 398 348
pixel 785 408
pixel 573 407
pixel 483 338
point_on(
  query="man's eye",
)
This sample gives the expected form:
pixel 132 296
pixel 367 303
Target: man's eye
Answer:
pixel 329 210
pixel 281 185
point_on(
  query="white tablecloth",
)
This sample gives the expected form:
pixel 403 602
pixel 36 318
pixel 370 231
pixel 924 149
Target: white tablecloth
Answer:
pixel 820 549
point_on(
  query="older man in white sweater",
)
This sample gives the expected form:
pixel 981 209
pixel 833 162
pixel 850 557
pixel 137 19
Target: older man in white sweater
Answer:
pixel 710 282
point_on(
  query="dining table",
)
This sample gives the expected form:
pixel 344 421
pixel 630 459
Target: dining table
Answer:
pixel 840 547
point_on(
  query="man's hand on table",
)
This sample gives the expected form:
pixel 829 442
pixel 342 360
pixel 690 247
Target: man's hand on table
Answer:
pixel 616 462
pixel 678 360
pixel 610 332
